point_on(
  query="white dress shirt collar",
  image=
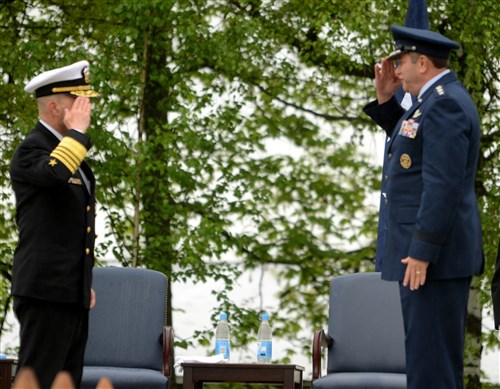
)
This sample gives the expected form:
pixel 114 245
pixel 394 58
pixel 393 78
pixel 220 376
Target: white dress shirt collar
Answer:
pixel 428 84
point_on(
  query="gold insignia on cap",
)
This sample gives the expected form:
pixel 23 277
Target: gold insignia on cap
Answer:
pixel 53 162
pixel 80 90
pixel 86 74
pixel 405 161
pixel 417 113
pixel 88 93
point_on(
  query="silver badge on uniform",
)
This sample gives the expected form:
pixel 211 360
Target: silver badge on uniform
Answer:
pixel 75 181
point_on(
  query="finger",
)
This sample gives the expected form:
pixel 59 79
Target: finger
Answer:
pixel 416 279
pixel 423 277
pixel 81 103
pixel 406 280
pixel 388 67
pixel 104 383
pixel 77 103
pixel 88 106
pixel 413 278
pixel 84 105
pixel 63 381
pixel 383 66
pixel 391 73
pixel 25 379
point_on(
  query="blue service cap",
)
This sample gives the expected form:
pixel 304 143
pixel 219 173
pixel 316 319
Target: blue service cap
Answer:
pixel 407 39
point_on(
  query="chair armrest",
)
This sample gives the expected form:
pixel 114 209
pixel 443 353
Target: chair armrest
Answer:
pixel 320 339
pixel 168 351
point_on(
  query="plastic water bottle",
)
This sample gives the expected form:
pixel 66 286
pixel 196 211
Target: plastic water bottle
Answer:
pixel 222 337
pixel 265 341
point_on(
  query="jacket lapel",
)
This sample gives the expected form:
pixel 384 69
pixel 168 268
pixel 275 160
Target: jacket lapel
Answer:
pixel 90 176
pixel 51 139
pixel 52 143
pixel 405 116
pixel 450 77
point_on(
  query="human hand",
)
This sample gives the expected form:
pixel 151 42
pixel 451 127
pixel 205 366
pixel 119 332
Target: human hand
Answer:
pixel 386 81
pixel 416 272
pixel 78 117
pixel 26 379
pixel 104 383
pixel 92 298
pixel 63 381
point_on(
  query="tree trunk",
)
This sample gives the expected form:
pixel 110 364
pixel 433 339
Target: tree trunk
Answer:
pixel 473 344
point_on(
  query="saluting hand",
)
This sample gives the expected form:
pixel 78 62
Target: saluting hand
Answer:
pixel 416 272
pixel 386 81
pixel 78 117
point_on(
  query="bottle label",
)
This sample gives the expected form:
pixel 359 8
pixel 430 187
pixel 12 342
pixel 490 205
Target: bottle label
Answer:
pixel 222 347
pixel 265 350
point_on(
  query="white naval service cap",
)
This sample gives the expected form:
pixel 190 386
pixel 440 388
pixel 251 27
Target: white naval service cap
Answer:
pixel 72 79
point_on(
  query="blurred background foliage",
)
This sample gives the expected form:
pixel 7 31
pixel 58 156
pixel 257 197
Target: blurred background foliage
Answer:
pixel 229 137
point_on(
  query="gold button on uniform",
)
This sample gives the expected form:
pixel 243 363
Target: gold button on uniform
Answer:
pixel 88 230
pixel 87 251
pixel 88 208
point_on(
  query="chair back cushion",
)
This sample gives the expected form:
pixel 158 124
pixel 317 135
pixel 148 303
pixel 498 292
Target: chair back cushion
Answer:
pixel 125 326
pixel 366 324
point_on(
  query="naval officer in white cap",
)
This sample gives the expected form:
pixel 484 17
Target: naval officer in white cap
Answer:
pixel 433 244
pixel 55 209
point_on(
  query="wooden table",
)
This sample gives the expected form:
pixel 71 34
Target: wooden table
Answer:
pixel 196 374
pixel 6 365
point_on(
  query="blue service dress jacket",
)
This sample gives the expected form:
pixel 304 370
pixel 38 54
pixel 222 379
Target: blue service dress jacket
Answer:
pixel 55 215
pixel 432 210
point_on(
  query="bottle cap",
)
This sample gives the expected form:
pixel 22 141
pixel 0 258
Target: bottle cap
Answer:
pixel 223 316
pixel 265 316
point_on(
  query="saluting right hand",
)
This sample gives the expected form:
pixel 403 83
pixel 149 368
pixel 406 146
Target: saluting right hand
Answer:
pixel 78 117
pixel 386 81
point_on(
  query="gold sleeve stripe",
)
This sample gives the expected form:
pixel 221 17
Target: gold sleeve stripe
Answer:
pixel 72 167
pixel 62 149
pixel 74 146
pixel 70 152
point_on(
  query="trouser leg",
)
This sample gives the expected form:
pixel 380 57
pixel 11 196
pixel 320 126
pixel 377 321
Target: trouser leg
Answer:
pixel 52 338
pixel 434 320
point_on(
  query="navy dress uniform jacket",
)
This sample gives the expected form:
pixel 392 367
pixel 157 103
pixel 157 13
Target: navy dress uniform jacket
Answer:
pixel 432 210
pixel 55 215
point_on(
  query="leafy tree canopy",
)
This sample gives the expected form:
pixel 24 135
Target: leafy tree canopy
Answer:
pixel 229 135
